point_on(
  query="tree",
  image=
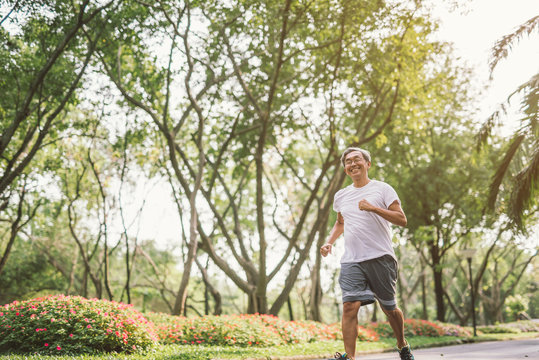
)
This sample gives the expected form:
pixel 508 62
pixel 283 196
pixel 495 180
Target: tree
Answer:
pixel 506 271
pixel 41 67
pixel 439 181
pixel 523 150
pixel 238 94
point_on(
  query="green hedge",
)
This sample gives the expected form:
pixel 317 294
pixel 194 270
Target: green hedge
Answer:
pixel 245 330
pixel 453 330
pixel 412 327
pixel 498 329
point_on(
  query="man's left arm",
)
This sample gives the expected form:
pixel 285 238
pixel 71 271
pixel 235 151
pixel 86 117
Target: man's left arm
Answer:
pixel 393 213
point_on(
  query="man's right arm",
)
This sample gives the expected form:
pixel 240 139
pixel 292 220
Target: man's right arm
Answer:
pixel 338 230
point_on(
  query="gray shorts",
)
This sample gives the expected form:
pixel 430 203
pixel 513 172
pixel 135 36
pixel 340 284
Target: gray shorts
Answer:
pixel 368 280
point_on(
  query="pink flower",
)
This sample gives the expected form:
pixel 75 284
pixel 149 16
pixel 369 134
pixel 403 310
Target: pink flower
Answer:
pixel 58 348
pixel 70 335
pixel 89 326
pixel 46 344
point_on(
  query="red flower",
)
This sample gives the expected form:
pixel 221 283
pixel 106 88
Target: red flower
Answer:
pixel 46 344
pixel 58 348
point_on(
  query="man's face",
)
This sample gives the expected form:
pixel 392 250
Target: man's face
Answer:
pixel 355 164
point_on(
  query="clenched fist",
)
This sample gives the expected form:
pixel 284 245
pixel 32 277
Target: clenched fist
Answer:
pixel 325 249
pixel 365 205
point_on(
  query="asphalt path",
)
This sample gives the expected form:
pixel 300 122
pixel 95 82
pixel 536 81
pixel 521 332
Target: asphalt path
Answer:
pixel 507 350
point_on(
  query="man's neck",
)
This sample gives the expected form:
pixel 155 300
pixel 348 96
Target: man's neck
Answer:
pixel 361 181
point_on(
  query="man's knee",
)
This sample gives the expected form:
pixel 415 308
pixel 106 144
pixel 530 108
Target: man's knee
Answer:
pixel 351 308
pixel 396 312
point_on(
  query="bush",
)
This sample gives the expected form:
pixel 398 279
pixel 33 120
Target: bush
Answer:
pixel 515 327
pixel 383 329
pixel 242 330
pixel 366 334
pixel 416 327
pixel 245 330
pixel 514 305
pixel 524 325
pixel 453 330
pixel 412 327
pixel 498 329
pixel 73 324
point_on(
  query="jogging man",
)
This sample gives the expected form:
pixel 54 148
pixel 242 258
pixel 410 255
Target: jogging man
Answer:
pixel 365 211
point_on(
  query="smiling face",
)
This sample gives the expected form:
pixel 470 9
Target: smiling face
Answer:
pixel 355 164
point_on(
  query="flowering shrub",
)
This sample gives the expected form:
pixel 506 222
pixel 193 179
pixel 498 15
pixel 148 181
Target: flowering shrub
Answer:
pixel 524 325
pixel 453 330
pixel 412 327
pixel 416 327
pixel 366 334
pixel 383 329
pixel 73 324
pixel 244 330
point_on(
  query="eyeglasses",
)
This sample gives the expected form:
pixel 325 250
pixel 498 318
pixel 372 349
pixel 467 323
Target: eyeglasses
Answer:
pixel 353 160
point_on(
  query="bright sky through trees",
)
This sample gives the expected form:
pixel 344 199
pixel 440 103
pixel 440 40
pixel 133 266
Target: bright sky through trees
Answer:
pixel 473 27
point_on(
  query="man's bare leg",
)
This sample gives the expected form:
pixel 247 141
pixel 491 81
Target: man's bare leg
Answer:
pixel 349 327
pixel 396 320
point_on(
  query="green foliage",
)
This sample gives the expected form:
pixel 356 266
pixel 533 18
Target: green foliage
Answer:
pixel 533 306
pixel 412 327
pixel 453 329
pixel 315 350
pixel 245 330
pixel 514 305
pixel 498 329
pixel 518 172
pixel 72 324
pixel 524 325
pixel 26 274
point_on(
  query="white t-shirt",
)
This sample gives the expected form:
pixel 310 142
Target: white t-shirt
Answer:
pixel 366 235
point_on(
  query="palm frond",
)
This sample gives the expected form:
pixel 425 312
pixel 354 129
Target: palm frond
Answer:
pixel 530 103
pixel 486 129
pixel 502 46
pixel 525 189
pixel 502 170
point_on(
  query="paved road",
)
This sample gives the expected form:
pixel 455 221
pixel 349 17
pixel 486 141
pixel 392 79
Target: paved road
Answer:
pixel 507 350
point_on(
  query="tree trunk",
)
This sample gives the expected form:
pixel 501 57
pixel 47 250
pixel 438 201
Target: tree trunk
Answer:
pixel 438 284
pixel 315 298
pixel 425 315
pixel 374 316
pixel 290 311
pixel 209 288
pixel 179 305
pixel 402 302
pixel 14 230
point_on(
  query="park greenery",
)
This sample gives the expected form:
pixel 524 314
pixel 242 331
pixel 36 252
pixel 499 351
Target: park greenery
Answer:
pixel 241 110
pixel 72 325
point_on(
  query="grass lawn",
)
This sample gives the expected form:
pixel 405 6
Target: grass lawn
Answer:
pixel 300 351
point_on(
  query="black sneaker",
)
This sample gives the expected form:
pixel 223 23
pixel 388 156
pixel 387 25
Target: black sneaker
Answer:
pixel 406 353
pixel 340 356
